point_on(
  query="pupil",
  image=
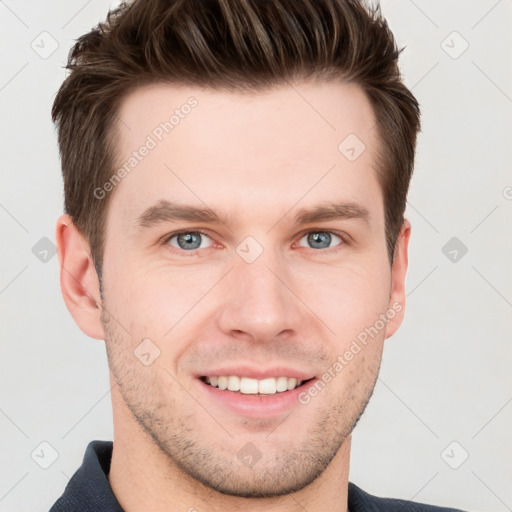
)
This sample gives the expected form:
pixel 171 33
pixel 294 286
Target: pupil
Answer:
pixel 320 238
pixel 188 238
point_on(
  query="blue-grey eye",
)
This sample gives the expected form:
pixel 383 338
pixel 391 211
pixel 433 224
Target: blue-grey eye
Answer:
pixel 320 239
pixel 188 240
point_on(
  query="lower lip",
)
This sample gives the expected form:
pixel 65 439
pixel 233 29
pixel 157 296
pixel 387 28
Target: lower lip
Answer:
pixel 256 406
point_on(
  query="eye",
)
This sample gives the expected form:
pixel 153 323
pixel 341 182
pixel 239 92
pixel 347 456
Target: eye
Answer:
pixel 320 239
pixel 188 240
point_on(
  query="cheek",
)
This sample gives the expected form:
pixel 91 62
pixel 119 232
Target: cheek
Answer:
pixel 155 300
pixel 347 299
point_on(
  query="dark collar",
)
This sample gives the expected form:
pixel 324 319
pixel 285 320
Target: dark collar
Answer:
pixel 89 489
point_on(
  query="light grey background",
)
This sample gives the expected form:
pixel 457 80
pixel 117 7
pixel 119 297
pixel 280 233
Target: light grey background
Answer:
pixel 445 375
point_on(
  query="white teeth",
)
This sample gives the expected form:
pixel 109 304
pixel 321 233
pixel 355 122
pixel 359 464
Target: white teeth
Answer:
pixel 292 383
pixel 282 384
pixel 249 386
pixel 223 383
pixel 267 386
pixel 233 383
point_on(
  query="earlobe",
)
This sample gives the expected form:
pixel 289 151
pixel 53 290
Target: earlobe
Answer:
pixel 398 273
pixel 78 278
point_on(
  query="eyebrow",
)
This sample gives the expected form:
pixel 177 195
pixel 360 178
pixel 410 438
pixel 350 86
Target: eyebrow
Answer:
pixel 332 211
pixel 167 211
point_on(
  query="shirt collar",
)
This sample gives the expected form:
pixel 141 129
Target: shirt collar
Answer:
pixel 89 488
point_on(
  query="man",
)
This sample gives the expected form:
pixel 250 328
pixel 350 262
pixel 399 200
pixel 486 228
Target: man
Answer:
pixel 235 179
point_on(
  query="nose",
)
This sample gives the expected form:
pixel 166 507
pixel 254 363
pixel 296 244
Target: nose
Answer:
pixel 259 303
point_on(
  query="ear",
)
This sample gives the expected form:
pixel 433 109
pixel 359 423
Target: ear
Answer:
pixel 78 279
pixel 398 271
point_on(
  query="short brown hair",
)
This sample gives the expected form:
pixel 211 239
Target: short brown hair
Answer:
pixel 236 45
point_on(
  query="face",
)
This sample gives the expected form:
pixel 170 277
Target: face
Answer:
pixel 275 279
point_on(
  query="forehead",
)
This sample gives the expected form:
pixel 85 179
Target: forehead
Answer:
pixel 244 152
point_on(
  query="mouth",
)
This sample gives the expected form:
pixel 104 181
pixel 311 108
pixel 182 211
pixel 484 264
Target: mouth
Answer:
pixel 250 386
pixel 249 397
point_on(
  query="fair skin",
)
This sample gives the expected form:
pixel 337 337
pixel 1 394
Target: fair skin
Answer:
pixel 257 159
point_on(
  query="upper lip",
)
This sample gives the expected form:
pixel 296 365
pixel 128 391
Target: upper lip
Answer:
pixel 260 374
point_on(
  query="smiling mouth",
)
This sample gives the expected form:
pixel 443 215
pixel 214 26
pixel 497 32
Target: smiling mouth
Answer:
pixel 249 386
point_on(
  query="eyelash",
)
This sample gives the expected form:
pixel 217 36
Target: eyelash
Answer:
pixel 344 240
